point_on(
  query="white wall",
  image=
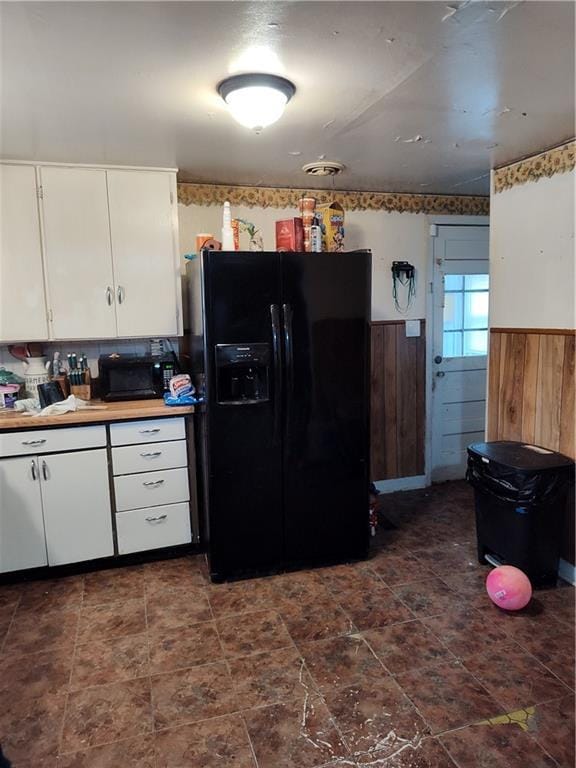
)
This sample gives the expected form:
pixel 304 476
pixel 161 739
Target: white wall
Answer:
pixel 532 254
pixel 390 236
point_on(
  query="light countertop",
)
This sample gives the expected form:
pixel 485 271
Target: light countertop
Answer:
pixel 130 409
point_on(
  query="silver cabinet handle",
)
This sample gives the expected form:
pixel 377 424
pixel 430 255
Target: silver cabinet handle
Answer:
pixel 109 296
pixel 156 519
pixel 440 374
pixel 33 468
pixel 45 474
pixel 149 431
pixel 33 442
pixel 121 294
pixel 151 483
pixel 151 454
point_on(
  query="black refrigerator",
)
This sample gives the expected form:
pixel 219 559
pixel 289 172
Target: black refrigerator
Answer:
pixel 279 344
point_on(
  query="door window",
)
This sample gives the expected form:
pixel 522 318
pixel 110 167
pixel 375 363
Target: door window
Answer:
pixel 465 322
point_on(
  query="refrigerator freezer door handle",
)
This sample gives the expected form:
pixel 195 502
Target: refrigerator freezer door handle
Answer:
pixel 275 318
pixel 289 357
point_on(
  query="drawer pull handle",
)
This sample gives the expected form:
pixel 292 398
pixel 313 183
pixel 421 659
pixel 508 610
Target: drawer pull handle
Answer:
pixel 156 519
pixel 149 431
pixel 151 454
pixel 152 483
pixel 33 442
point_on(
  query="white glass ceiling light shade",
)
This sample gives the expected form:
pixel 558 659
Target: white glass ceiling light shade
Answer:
pixel 256 100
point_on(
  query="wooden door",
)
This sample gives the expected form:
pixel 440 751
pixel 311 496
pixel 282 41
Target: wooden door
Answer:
pixel 460 345
pixel 78 254
pixel 144 253
pixel 22 297
pixel 22 540
pixel 76 500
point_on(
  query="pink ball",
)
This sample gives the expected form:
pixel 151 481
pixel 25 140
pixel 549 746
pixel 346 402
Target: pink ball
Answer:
pixel 509 588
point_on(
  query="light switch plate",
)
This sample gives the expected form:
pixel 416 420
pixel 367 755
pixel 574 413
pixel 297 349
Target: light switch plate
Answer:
pixel 412 328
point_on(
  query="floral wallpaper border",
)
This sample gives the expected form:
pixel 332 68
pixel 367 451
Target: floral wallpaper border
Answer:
pixel 558 160
pixel 277 197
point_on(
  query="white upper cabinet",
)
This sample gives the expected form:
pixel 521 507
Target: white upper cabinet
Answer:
pixel 22 299
pixel 143 251
pixel 78 254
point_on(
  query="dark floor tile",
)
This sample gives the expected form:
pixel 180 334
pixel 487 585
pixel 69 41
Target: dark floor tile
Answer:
pixel 184 573
pixel 52 594
pixel 270 678
pixel 29 631
pixel 10 595
pixel 298 589
pixel 341 661
pixel 426 753
pixel 218 743
pixel 377 607
pixel 30 729
pixel 256 631
pixel 353 577
pixel 429 597
pixel 242 597
pixel 495 746
pixel 103 622
pixel 110 661
pixel 130 753
pixel 552 725
pixel 515 678
pixel 394 568
pixel 465 632
pixel 534 623
pixel 560 641
pixel 188 695
pixel 563 666
pixel 188 647
pixel 113 585
pixel 7 613
pixel 406 646
pixel 309 622
pixel 561 602
pixel 375 716
pixel 177 610
pixel 448 696
pixel 293 735
pixel 471 587
pixel 448 557
pixel 34 675
pixel 107 713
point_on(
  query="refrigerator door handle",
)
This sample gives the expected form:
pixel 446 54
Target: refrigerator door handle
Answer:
pixel 289 358
pixel 275 318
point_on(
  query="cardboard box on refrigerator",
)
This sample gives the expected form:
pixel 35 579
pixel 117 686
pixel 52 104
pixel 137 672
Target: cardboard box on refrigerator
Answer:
pixel 289 235
pixel 332 222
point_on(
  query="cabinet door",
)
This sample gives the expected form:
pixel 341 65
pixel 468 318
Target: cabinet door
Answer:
pixel 144 253
pixel 22 540
pixel 78 255
pixel 22 299
pixel 76 501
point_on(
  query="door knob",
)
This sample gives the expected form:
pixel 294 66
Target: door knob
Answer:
pixel 438 359
pixel 440 373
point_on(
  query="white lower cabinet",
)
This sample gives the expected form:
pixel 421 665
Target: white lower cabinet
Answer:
pixel 22 540
pixel 142 529
pixel 76 502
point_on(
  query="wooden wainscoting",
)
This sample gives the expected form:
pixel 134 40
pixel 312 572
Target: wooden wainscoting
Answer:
pixel 531 395
pixel 398 382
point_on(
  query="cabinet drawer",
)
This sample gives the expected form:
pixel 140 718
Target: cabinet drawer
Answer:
pixel 152 528
pixel 51 440
pixel 150 489
pixel 130 459
pixel 150 431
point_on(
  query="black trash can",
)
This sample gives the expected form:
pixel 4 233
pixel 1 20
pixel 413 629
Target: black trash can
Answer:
pixel 521 495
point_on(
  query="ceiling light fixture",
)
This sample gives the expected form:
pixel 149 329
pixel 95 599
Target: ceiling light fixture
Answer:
pixel 256 100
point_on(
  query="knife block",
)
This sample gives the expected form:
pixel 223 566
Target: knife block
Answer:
pixel 83 391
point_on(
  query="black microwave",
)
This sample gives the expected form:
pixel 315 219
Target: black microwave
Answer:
pixel 135 377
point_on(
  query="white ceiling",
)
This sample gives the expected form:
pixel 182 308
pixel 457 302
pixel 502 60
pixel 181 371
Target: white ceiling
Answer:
pixel 481 83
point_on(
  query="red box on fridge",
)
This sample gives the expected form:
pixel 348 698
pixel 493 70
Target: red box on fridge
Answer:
pixel 289 235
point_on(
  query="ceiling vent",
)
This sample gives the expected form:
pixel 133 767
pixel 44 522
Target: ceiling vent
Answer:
pixel 323 168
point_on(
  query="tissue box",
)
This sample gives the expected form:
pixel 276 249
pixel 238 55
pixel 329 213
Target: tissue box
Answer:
pixel 289 235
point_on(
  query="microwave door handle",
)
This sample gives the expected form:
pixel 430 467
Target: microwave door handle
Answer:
pixel 277 383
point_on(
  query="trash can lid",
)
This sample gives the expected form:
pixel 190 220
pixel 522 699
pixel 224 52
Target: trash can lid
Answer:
pixel 522 456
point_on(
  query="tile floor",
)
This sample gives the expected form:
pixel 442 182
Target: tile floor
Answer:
pixel 397 662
